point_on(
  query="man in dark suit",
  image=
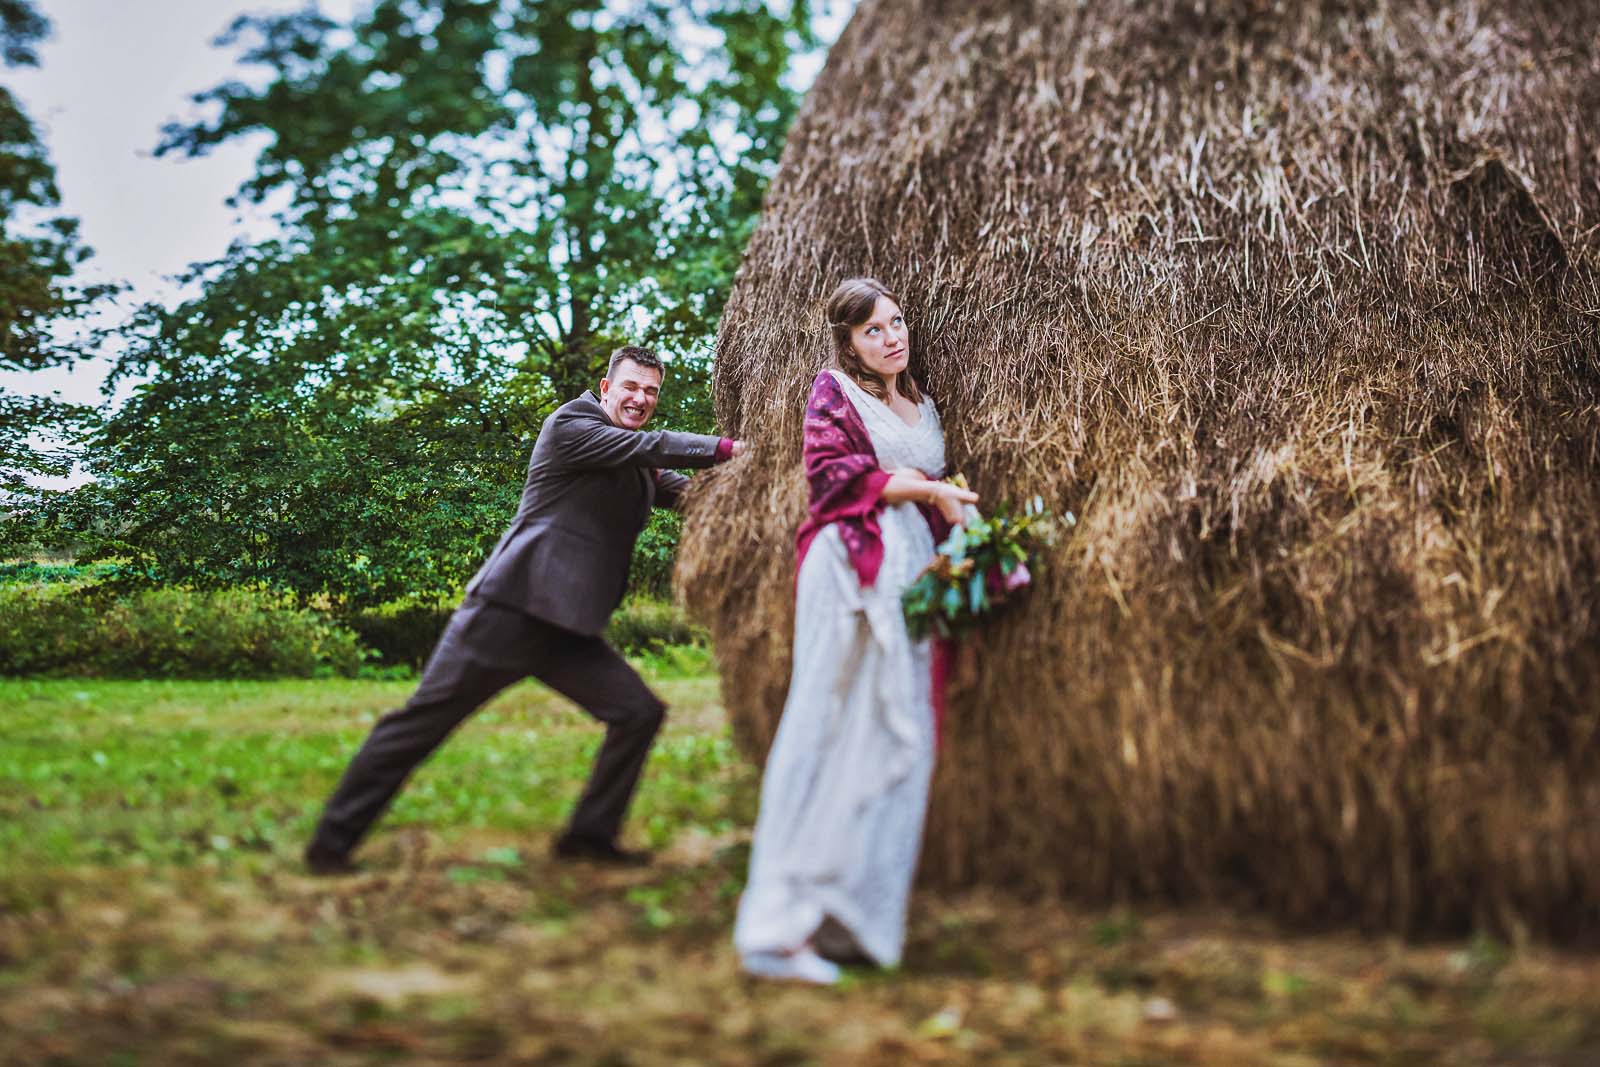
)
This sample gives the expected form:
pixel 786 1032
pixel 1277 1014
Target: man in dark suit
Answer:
pixel 538 607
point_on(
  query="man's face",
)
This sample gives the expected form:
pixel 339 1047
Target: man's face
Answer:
pixel 629 395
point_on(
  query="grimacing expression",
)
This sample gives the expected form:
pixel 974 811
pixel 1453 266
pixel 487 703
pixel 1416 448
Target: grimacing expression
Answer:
pixel 629 396
pixel 882 341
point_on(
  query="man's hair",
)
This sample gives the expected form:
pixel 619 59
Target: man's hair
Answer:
pixel 644 357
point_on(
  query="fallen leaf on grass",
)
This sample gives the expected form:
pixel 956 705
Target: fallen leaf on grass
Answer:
pixel 393 986
pixel 941 1024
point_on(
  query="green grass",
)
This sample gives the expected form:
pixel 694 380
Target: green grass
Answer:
pixel 153 912
pixel 159 773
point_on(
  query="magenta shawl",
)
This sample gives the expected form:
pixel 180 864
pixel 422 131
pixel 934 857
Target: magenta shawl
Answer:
pixel 845 479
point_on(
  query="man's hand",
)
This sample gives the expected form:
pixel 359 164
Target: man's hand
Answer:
pixel 738 449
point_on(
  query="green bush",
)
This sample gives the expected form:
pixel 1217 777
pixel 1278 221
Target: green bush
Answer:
pixel 45 627
pixel 650 572
pixel 403 634
pixel 63 625
pixel 643 625
pixel 59 628
pixel 28 572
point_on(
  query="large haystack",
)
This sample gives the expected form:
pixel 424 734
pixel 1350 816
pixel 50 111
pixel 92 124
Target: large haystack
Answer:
pixel 1296 305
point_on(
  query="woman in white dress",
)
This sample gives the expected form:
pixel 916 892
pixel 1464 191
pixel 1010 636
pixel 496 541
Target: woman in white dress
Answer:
pixel 846 785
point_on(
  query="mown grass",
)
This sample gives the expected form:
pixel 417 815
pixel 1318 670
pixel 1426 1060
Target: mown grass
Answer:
pixel 164 772
pixel 153 911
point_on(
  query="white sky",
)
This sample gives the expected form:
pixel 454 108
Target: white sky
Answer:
pixel 112 73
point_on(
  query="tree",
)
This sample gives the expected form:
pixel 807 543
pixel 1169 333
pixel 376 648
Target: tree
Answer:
pixel 484 197
pixel 39 252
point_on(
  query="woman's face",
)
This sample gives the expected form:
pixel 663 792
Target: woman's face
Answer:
pixel 881 340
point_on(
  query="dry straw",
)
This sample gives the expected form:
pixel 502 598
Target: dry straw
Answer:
pixel 1296 305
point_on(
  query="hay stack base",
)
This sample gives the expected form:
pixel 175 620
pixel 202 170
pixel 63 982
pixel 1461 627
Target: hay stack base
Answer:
pixel 1296 306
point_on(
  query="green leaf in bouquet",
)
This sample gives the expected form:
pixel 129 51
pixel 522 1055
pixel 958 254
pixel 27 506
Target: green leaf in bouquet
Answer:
pixel 977 593
pixel 955 546
pixel 952 601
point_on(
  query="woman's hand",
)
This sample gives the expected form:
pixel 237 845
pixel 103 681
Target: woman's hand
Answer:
pixel 905 483
pixel 908 483
pixel 951 500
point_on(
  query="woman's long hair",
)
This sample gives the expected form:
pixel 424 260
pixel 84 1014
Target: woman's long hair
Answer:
pixel 850 305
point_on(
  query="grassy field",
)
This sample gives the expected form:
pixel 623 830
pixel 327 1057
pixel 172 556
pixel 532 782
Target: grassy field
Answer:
pixel 153 912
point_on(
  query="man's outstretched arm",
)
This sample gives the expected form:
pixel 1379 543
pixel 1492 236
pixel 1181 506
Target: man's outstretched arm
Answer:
pixel 587 439
pixel 670 484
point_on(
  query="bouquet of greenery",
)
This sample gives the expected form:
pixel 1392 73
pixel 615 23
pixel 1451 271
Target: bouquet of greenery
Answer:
pixel 978 567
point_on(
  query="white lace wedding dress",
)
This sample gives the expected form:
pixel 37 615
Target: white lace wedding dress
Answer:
pixel 846 783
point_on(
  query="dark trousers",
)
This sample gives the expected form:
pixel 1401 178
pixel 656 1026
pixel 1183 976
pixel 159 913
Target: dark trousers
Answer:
pixel 484 648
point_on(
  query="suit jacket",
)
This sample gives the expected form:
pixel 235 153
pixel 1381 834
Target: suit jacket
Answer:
pixel 590 488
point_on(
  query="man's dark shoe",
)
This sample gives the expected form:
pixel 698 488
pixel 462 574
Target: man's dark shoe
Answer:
pixel 325 863
pixel 594 851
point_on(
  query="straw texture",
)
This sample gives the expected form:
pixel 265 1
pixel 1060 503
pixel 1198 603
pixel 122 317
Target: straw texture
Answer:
pixel 1297 306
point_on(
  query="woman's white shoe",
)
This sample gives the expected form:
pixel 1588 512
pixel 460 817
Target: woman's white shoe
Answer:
pixel 802 966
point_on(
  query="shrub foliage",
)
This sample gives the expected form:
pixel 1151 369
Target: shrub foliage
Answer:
pixel 63 628
pixel 404 633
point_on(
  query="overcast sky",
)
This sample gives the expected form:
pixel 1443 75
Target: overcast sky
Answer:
pixel 112 73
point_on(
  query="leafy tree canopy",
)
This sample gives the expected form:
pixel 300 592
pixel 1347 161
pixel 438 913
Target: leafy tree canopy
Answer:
pixel 479 200
pixel 39 253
